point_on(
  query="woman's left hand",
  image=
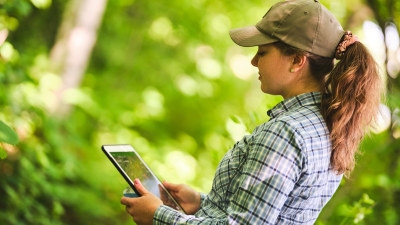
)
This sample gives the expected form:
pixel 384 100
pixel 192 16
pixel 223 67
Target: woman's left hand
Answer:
pixel 142 208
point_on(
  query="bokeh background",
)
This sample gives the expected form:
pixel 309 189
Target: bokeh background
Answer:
pixel 165 77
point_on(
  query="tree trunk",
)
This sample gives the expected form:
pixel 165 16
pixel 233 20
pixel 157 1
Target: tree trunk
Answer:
pixel 71 52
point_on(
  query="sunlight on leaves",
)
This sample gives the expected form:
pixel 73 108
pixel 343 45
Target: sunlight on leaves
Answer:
pixel 8 22
pixel 217 25
pixel 393 48
pixel 181 164
pixel 241 66
pixel 392 37
pixel 162 29
pixel 8 52
pixel 209 67
pixel 382 121
pixel 187 85
pixel 374 40
pixel 78 97
pixel 27 93
pixel 153 103
pixel 42 4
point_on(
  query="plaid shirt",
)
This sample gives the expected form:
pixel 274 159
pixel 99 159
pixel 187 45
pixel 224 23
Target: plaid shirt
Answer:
pixel 277 175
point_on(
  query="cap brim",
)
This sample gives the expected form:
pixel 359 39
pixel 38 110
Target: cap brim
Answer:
pixel 250 36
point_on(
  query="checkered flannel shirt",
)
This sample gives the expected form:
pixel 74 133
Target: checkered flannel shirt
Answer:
pixel 279 174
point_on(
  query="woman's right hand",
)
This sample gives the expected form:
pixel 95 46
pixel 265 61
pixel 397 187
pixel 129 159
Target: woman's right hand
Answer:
pixel 187 197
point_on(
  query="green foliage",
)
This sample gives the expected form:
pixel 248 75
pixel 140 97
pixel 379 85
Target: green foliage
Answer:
pixel 7 135
pixel 43 185
pixel 357 212
pixel 164 80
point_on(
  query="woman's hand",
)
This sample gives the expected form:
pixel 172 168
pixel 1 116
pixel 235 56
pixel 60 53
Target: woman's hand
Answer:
pixel 142 208
pixel 188 198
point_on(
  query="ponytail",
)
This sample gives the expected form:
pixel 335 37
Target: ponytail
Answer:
pixel 353 90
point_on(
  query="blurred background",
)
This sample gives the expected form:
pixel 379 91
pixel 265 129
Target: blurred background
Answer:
pixel 165 77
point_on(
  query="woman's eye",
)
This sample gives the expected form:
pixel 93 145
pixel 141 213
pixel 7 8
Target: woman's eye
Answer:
pixel 261 53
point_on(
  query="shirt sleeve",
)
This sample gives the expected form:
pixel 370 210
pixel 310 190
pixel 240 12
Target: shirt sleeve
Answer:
pixel 269 174
pixel 165 215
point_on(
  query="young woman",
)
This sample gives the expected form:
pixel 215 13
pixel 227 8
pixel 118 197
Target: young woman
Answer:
pixel 289 167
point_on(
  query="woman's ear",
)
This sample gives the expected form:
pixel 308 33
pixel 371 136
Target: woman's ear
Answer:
pixel 298 63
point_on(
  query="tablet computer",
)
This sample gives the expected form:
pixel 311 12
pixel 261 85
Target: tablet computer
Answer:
pixel 131 166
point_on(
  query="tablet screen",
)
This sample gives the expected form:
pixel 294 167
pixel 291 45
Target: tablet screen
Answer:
pixel 132 166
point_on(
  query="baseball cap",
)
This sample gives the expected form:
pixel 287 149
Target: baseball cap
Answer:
pixel 304 24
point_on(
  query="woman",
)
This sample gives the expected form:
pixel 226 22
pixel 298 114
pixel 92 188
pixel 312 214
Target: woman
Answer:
pixel 289 167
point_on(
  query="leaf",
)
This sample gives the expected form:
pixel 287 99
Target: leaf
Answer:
pixel 3 153
pixel 7 135
pixel 235 119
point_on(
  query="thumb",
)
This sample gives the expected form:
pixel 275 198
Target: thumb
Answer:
pixel 140 188
pixel 170 186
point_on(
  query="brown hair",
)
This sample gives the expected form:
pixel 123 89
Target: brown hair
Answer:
pixel 352 92
pixel 354 88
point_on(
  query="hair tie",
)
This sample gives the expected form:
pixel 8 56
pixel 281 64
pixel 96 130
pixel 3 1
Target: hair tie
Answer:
pixel 347 40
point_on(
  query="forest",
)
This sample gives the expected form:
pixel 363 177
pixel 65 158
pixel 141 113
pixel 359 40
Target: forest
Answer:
pixel 164 77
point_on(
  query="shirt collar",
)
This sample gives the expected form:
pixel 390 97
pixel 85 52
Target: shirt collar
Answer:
pixel 293 103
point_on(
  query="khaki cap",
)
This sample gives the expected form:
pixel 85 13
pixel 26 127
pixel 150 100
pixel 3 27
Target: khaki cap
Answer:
pixel 304 24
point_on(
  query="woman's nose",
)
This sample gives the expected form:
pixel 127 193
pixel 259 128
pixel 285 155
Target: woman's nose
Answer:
pixel 254 61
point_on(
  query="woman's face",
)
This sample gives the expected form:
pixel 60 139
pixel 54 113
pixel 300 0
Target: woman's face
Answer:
pixel 273 69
